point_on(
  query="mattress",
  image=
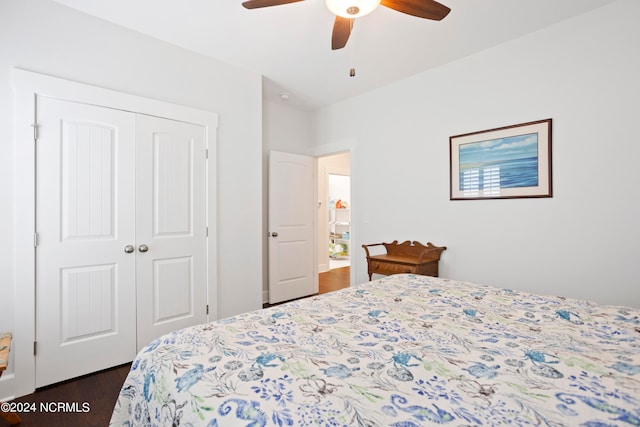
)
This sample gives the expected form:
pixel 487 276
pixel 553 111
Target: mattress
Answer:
pixel 404 350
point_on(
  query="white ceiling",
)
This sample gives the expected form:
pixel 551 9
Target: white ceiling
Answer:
pixel 290 45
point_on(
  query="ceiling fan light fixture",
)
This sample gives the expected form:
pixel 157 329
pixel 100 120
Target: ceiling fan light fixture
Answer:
pixel 352 8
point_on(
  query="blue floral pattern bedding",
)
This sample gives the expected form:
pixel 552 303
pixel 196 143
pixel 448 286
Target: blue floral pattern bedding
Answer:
pixel 405 351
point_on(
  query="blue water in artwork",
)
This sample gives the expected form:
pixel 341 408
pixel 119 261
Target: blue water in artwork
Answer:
pixel 494 164
pixel 512 173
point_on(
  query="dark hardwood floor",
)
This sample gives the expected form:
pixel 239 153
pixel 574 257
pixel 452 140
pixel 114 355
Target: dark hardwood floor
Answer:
pixel 329 281
pixel 100 390
pixel 86 401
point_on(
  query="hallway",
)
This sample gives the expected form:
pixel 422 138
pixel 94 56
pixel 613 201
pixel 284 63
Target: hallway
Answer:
pixel 329 281
pixel 334 280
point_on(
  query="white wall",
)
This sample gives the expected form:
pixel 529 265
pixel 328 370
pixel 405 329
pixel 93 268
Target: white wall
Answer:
pixel 51 39
pixel 583 242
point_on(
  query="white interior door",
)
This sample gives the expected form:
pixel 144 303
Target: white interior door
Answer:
pixel 291 215
pixel 121 243
pixel 85 280
pixel 171 227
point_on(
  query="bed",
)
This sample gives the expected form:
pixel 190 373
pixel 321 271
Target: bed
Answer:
pixel 404 351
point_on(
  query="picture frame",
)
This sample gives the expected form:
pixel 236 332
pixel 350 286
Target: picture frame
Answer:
pixel 502 163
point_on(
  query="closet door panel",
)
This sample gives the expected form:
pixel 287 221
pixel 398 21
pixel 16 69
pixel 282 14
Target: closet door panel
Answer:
pixel 85 289
pixel 170 226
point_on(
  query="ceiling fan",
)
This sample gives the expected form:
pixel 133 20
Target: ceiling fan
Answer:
pixel 347 10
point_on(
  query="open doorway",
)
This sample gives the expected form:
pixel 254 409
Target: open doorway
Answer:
pixel 339 204
pixel 334 222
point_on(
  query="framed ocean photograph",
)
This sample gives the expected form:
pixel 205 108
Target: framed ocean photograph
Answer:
pixel 503 163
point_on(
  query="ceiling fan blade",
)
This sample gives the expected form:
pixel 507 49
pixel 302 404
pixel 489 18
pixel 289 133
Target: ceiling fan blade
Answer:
pixel 428 9
pixel 254 4
pixel 341 32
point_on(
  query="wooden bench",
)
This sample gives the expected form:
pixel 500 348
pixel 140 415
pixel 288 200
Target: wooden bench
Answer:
pixel 5 345
pixel 407 257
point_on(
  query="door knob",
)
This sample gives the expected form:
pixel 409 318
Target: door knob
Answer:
pixel 129 248
pixel 274 234
pixel 143 248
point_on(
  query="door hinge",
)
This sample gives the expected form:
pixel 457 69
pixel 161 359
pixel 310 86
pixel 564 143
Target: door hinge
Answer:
pixel 207 308
pixel 207 231
pixel 35 131
pixel 35 347
pixel 35 240
pixel 206 154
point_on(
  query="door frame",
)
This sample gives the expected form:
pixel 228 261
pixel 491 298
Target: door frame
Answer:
pixel 338 147
pixel 27 87
pixel 325 236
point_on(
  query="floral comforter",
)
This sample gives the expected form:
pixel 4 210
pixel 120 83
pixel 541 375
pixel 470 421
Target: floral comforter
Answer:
pixel 405 351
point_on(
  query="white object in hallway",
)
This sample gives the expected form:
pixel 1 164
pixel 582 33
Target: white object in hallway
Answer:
pixel 291 215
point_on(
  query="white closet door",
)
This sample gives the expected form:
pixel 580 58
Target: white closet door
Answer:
pixel 170 226
pixel 85 281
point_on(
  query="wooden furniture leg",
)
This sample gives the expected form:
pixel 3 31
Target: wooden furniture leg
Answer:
pixel 5 344
pixel 11 417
